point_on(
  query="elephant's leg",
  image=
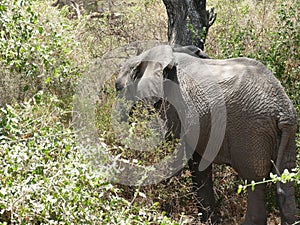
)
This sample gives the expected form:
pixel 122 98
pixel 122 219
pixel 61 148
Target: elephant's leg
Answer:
pixel 203 186
pixel 287 204
pixel 256 207
pixel 286 199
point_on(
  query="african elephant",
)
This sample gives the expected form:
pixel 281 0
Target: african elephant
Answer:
pixel 260 120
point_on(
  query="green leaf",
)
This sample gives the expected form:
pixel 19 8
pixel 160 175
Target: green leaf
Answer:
pixel 240 189
pixel 41 29
pixel 26 88
pixel 252 185
pixel 48 80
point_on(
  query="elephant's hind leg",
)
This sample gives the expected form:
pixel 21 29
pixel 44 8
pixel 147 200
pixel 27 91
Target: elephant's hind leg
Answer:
pixel 287 160
pixel 256 208
pixel 203 186
pixel 287 204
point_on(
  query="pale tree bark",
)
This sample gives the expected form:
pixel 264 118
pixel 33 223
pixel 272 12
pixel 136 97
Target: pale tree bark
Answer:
pixel 188 22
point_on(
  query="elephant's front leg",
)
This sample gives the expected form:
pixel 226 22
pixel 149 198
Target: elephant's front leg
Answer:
pixel 256 207
pixel 203 186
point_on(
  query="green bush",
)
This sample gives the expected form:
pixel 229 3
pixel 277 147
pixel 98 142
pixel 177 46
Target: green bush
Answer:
pixel 44 178
pixel 36 52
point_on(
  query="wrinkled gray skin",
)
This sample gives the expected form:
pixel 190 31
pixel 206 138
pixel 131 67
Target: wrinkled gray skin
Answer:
pixel 261 122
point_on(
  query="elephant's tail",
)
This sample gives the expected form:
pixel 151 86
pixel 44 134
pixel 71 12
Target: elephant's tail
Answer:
pixel 284 141
pixel 286 155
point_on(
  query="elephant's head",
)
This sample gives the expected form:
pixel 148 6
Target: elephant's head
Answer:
pixel 143 76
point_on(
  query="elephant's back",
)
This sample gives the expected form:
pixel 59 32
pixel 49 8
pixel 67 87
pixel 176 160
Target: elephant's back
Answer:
pixel 245 85
pixel 256 92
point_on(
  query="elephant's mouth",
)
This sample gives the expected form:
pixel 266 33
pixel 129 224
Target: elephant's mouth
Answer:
pixel 128 101
pixel 141 108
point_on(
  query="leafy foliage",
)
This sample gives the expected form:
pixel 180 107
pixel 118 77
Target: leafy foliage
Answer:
pixel 36 52
pixel 45 179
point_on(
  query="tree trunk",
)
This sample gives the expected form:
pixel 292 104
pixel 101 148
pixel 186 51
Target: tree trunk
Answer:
pixel 188 22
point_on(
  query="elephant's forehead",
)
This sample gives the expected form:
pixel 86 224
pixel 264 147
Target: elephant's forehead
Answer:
pixel 161 54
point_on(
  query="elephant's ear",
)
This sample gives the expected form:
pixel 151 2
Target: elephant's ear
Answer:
pixel 152 64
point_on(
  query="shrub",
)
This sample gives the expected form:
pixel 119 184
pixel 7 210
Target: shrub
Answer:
pixel 37 52
pixel 46 180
